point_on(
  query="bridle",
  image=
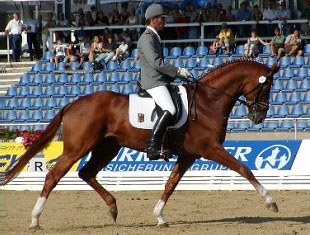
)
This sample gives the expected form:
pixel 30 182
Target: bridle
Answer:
pixel 252 105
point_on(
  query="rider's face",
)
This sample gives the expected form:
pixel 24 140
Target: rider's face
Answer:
pixel 158 22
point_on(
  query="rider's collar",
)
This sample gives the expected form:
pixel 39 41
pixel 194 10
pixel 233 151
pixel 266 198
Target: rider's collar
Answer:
pixel 154 31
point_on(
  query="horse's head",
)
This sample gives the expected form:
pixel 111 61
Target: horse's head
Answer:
pixel 257 93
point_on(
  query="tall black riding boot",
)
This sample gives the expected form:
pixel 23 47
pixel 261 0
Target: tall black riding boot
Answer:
pixel 153 150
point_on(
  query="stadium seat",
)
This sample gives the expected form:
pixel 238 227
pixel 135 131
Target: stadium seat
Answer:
pixel 100 78
pixel 61 67
pixel 23 116
pixel 195 73
pixel 298 62
pixel 36 68
pixel 127 89
pixel 304 85
pixel 38 127
pixel 188 51
pixel 270 126
pixel 282 112
pixel 112 65
pixel 50 103
pixel 266 50
pixel 88 78
pixel 89 89
pixel 287 73
pixel 307 113
pixel 306 49
pixel 49 91
pixel 87 66
pixel 74 78
pixel 37 79
pixel 24 104
pixel 48 55
pixel 291 85
pixel 279 98
pixel 12 91
pixel 257 127
pixel 203 63
pixel 302 124
pixel 286 126
pixel 11 116
pixel 49 115
pixel 12 103
pixel 277 85
pixel 240 112
pixel 24 80
pixel 102 87
pixel 37 104
pixel 230 126
pixel 191 63
pixel 302 73
pixel 49 67
pixel 74 65
pixel 270 111
pixel 306 99
pixel 115 88
pixel 285 61
pixel 62 102
pixel 242 126
pixel 61 91
pixel 239 50
pixel 125 65
pixel 202 51
pixel 165 51
pixel 134 53
pixel 178 63
pixel 175 52
pixel 136 65
pixel 297 111
pixel 36 116
pixel 23 92
pixel 294 98
pixel 114 77
pixel 61 79
pixel 36 92
pixel 217 61
pixel 271 61
pixel 49 79
pixel 74 91
pixel 127 77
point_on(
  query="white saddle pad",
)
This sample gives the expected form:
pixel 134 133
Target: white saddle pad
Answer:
pixel 141 113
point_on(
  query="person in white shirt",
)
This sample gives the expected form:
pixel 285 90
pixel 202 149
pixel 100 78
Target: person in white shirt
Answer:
pixel 270 14
pixel 121 50
pixel 59 51
pixel 15 28
pixel 32 26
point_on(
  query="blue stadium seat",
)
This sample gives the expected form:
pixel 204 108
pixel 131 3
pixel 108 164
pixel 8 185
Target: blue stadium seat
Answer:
pixel 266 50
pixel 62 102
pixel 195 73
pixel 75 91
pixel 127 77
pixel 36 115
pixel 282 112
pixel 134 53
pixel 271 126
pixel 38 127
pixel 74 78
pixel 37 104
pixel 87 66
pixel 24 80
pixel 279 98
pixel 202 51
pixel 191 63
pixel 203 63
pixel 23 116
pixel 61 79
pixel 49 115
pixel 37 67
pixel 277 85
pixel 298 62
pixel 11 116
pixel 49 67
pixel 302 73
pixel 285 61
pixel 240 112
pixel 286 126
pixel 74 65
pixel 61 66
pixel 307 49
pixel 112 65
pixel 100 77
pixel 297 111
pixel 239 50
pixel 270 111
pixel 23 92
pixel 12 91
pixel 257 127
pixel 62 91
pixel 89 89
pixel 291 85
pixel 304 85
pixel 125 65
pixel 175 52
pixel 165 51
pixel 49 91
pixel 230 126
pixel 24 104
pixel 49 79
pixel 288 73
pixel 50 103
pixel 114 77
pixel 242 126
pixel 188 51
pixel 178 63
pixel 217 61
pixel 12 103
pixel 302 124
pixel 271 61
pixel 306 99
pixel 136 65
pixel 294 98
pixel 36 92
pixel 48 55
pixel 115 88
pixel 37 79
pixel 102 87
pixel 88 78
pixel 307 113
pixel 127 89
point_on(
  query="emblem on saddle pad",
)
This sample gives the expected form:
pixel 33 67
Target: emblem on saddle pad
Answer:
pixel 140 117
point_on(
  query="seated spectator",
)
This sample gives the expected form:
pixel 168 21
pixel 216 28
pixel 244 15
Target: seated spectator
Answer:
pixel 215 45
pixel 71 54
pixel 59 52
pixel 84 51
pixel 227 39
pixel 107 52
pixel 89 21
pixel 277 43
pixel 293 43
pixel 101 19
pixel 251 48
pixel 230 16
pixel 95 49
pixel 256 15
pixel 284 14
pixel 243 14
pixel 121 51
pixel 182 32
pixel 62 22
pixel 270 14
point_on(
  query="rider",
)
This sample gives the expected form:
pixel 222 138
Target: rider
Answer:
pixel 156 75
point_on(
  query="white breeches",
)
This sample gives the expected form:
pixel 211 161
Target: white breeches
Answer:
pixel 163 99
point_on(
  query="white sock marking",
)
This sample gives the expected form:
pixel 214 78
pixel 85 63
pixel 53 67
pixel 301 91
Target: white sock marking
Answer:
pixel 37 210
pixel 158 212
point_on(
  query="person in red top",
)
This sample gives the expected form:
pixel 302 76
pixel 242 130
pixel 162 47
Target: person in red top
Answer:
pixel 182 32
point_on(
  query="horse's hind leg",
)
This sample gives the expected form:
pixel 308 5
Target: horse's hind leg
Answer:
pixel 102 154
pixel 181 166
pixel 218 153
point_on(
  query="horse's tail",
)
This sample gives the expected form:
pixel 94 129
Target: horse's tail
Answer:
pixel 45 138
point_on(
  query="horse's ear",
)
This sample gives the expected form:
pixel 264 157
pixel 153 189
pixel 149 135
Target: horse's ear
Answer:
pixel 274 68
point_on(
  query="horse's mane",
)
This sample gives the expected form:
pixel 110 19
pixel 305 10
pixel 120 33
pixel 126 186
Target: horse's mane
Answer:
pixel 230 62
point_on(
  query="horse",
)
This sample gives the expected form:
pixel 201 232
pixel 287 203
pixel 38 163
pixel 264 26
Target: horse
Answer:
pixel 99 123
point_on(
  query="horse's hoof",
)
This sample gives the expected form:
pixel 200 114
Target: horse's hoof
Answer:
pixel 35 227
pixel 272 206
pixel 113 213
pixel 164 225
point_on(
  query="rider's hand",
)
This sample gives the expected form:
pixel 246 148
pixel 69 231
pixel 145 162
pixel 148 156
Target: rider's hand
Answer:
pixel 183 73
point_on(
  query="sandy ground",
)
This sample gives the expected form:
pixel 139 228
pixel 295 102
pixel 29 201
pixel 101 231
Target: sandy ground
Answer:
pixel 188 212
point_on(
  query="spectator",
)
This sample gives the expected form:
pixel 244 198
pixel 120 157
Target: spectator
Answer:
pixel 193 17
pixel 93 12
pixel 39 34
pixel 59 52
pixel 107 52
pixel 216 45
pixel 251 48
pixel 277 43
pixel 124 12
pixel 15 27
pixel 227 39
pixel 182 32
pixel 284 14
pixel 230 16
pixel 71 53
pixel 257 16
pixel 243 14
pixel 270 14
pixel 48 23
pixel 89 21
pixel 62 22
pixel 95 49
pixel 203 17
pixel 32 26
pixel 293 44
pixel 121 51
pixel 132 20
pixel 84 51
pixel 77 16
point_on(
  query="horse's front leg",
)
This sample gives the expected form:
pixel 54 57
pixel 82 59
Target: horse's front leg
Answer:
pixel 216 152
pixel 181 166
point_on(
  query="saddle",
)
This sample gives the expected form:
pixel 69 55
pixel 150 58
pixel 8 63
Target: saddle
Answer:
pixel 176 99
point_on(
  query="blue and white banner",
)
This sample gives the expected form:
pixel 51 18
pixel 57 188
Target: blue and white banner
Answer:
pixel 257 155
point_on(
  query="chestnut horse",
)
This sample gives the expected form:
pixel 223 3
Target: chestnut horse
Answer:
pixel 99 123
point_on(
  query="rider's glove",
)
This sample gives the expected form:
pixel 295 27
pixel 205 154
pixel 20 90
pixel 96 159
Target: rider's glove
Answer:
pixel 183 73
